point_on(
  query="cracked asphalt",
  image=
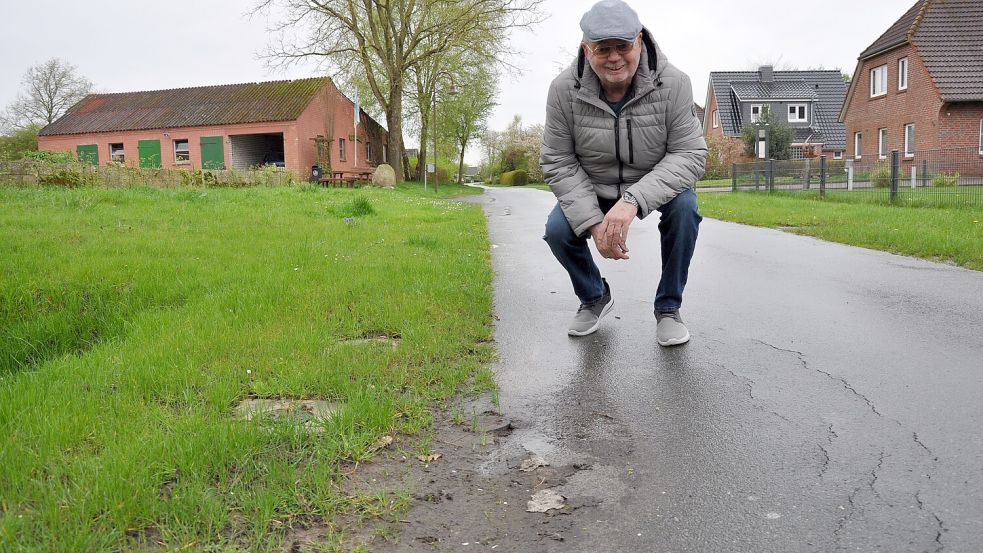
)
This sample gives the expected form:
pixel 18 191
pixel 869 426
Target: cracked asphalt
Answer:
pixel 829 399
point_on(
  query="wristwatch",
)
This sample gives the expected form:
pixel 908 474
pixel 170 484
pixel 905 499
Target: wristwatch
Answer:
pixel 629 199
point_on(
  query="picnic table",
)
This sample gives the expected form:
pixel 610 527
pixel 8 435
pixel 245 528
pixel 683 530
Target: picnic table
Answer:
pixel 346 178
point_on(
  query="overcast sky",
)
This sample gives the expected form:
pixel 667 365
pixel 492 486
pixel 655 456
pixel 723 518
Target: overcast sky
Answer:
pixel 144 45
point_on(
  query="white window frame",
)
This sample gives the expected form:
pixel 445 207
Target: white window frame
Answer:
pixel 909 133
pixel 182 155
pixel 837 155
pixel 881 143
pixel 716 119
pixel 858 138
pixel 119 156
pixel 761 111
pixel 878 81
pixel 799 108
pixel 903 73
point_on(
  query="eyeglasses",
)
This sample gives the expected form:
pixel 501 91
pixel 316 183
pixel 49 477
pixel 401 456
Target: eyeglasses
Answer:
pixel 621 48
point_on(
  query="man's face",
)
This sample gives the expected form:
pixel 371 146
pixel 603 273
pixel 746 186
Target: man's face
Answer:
pixel 614 66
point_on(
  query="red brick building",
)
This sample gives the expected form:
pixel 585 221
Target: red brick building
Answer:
pixel 919 86
pixel 292 124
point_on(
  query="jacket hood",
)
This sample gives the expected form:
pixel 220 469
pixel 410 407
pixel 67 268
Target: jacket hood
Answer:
pixel 651 64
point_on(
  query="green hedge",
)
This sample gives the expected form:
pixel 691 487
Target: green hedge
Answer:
pixel 515 178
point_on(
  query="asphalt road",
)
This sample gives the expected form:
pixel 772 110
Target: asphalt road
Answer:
pixel 830 398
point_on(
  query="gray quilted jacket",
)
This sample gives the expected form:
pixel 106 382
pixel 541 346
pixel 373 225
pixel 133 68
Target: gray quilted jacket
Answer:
pixel 654 148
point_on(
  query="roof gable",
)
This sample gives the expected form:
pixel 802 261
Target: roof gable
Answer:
pixel 898 33
pixel 189 107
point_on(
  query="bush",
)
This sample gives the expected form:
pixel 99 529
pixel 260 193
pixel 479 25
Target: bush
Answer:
pixel 68 177
pixel 945 179
pixel 880 175
pixel 520 178
pixel 515 178
pixel 52 157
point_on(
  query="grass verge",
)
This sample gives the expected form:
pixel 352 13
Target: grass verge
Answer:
pixel 133 321
pixel 953 235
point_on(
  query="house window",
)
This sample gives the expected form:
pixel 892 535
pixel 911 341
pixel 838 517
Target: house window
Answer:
pixel 878 81
pixel 837 155
pixel 882 143
pixel 797 113
pixel 716 119
pixel 181 151
pixel 857 138
pixel 116 153
pixel 368 151
pixel 385 153
pixel 903 74
pixel 909 140
pixel 341 149
pixel 757 111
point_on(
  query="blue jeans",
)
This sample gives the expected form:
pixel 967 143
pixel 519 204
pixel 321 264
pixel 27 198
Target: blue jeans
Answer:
pixel 679 225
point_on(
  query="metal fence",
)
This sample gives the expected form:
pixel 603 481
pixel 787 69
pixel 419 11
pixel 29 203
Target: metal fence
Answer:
pixel 935 178
pixel 39 173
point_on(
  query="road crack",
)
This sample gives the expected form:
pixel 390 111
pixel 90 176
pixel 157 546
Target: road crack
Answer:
pixel 842 381
pixel 938 521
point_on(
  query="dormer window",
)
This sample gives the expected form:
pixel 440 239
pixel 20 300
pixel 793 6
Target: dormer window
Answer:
pixel 798 113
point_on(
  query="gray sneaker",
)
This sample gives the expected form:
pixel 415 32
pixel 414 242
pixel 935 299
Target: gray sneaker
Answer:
pixel 670 330
pixel 588 317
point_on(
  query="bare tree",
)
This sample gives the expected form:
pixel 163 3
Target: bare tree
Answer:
pixel 50 88
pixel 384 41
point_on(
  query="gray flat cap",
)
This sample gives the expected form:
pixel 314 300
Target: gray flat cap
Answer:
pixel 610 19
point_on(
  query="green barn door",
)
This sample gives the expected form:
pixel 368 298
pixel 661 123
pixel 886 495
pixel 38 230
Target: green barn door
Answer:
pixel 88 153
pixel 149 154
pixel 212 153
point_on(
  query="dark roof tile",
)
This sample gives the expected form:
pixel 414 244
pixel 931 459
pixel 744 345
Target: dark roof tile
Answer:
pixel 188 107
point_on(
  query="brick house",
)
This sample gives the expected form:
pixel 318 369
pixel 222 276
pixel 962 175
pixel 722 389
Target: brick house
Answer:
pixel 919 86
pixel 292 124
pixel 808 100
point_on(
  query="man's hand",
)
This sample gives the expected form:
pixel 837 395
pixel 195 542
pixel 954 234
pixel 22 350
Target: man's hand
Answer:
pixel 611 234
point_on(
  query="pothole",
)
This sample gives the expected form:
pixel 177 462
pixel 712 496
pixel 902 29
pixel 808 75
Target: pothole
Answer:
pixel 309 413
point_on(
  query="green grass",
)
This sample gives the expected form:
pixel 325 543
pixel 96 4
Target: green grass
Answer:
pixel 953 235
pixel 132 321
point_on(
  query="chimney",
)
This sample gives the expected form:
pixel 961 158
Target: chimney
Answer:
pixel 767 73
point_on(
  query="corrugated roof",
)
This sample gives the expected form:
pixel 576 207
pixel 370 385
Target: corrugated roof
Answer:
pixel 828 98
pixel 897 34
pixel 188 107
pixel 949 38
pixel 777 90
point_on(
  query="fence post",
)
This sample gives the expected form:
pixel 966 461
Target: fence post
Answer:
pixel 895 166
pixel 771 175
pixel 924 172
pixel 822 176
pixel 733 177
pixel 849 178
pixel 757 174
pixel 914 175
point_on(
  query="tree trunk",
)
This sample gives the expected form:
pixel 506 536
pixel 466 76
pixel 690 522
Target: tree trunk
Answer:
pixel 394 115
pixel 460 164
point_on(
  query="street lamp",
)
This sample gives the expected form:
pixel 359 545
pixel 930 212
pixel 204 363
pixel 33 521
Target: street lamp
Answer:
pixel 436 180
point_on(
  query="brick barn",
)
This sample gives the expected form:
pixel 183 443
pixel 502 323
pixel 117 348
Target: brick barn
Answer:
pixel 918 88
pixel 292 124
